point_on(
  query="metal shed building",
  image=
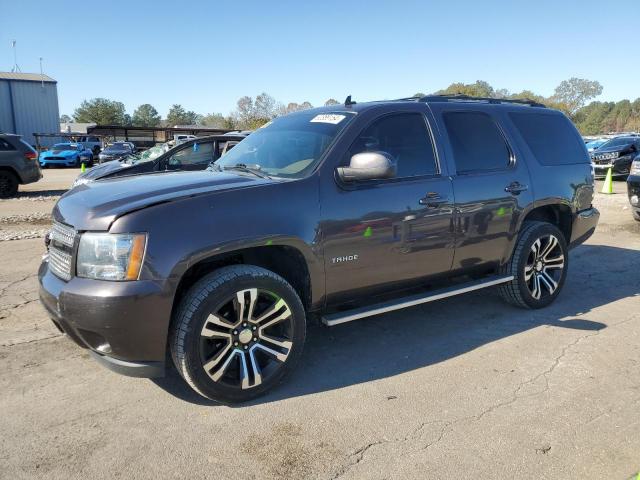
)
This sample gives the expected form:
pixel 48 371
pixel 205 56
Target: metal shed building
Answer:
pixel 28 104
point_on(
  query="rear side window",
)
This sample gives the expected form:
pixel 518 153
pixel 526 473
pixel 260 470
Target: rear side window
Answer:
pixel 5 146
pixel 27 146
pixel 477 143
pixel 551 138
pixel 406 138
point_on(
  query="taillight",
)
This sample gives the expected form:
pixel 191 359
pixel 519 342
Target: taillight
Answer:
pixel 30 155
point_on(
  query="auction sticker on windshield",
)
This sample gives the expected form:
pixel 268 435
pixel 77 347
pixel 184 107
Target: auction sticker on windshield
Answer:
pixel 328 118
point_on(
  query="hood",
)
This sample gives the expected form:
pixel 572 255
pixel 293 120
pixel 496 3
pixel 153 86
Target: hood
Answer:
pixel 99 171
pixel 60 152
pixel 94 206
pixel 616 148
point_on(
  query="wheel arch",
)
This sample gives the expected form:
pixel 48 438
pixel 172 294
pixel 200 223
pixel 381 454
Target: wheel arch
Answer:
pixel 557 214
pixel 289 261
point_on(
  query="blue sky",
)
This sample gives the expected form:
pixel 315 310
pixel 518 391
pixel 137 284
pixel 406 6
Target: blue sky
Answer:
pixel 205 55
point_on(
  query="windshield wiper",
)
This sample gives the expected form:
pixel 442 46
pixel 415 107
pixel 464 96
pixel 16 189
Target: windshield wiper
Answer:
pixel 241 167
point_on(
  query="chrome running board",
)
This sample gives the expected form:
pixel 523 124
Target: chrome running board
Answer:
pixel 378 308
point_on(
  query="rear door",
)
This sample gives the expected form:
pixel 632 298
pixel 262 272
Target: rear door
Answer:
pixel 490 182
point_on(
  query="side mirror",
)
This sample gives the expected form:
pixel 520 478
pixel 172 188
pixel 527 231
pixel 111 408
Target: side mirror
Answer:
pixel 368 166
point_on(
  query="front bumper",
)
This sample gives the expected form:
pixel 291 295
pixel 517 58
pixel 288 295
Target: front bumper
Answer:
pixel 67 162
pixel 584 225
pixel 124 324
pixel 619 166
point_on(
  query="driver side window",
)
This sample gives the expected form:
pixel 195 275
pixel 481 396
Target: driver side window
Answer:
pixel 196 154
pixel 404 136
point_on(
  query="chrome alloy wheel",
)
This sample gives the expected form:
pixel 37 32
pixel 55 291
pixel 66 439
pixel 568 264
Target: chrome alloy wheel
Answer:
pixel 544 266
pixel 247 339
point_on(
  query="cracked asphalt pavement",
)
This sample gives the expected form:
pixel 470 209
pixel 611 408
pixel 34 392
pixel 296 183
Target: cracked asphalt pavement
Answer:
pixel 468 387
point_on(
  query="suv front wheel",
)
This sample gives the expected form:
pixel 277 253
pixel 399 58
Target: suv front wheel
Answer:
pixel 237 333
pixel 538 264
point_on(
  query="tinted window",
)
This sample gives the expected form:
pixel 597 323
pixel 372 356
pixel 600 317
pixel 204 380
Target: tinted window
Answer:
pixel 198 153
pixel 5 146
pixel 476 142
pixel 405 137
pixel 551 138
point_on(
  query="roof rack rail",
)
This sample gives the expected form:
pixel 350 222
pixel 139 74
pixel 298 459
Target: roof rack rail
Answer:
pixel 467 98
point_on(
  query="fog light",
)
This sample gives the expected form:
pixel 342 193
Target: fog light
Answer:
pixel 634 200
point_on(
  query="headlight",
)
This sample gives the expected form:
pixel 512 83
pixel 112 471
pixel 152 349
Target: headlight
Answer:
pixel 107 256
pixel 635 167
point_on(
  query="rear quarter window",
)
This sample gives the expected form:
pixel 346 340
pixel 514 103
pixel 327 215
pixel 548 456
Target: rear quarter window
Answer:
pixel 552 138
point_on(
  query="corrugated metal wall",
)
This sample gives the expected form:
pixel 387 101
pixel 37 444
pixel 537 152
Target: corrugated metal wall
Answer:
pixel 35 108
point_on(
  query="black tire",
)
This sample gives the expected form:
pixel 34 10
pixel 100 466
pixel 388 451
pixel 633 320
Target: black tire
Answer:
pixel 636 215
pixel 8 184
pixel 537 280
pixel 195 341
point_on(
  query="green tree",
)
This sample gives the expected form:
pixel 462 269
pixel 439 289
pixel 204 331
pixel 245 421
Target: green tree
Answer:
pixel 146 116
pixel 215 120
pixel 478 89
pixel 331 101
pixel 252 114
pixel 179 116
pixel 101 111
pixel 576 92
pixel 65 119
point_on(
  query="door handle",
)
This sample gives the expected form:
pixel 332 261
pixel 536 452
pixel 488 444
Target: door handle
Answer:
pixel 515 188
pixel 432 199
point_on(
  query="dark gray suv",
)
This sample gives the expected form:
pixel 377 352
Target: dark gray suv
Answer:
pixel 337 213
pixel 18 164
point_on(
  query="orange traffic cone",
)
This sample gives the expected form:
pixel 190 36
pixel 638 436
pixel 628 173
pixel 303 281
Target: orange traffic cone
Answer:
pixel 608 182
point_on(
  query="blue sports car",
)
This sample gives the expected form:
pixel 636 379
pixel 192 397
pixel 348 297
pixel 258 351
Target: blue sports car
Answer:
pixel 67 154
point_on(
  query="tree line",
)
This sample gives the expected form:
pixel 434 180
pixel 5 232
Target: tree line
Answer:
pixel 573 96
pixel 250 113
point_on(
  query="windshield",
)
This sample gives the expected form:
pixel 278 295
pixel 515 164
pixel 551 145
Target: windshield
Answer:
pixel 118 147
pixel 288 146
pixel 617 142
pixel 64 146
pixel 150 154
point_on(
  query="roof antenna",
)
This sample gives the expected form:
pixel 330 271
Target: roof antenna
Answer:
pixel 348 102
pixel 15 68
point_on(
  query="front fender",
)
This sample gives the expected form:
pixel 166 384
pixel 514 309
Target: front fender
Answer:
pixel 184 232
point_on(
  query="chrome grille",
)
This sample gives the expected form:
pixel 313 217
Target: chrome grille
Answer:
pixel 63 234
pixel 61 250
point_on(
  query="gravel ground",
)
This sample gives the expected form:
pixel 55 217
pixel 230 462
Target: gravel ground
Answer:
pixel 463 388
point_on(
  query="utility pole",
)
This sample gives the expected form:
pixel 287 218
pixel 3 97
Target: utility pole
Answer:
pixel 41 74
pixel 15 68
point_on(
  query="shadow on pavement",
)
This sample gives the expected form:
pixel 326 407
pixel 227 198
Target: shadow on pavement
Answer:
pixel 398 342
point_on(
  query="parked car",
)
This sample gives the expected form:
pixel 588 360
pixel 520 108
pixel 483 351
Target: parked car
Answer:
pixel 116 151
pixel 617 154
pixel 339 212
pixel 195 154
pixel 181 138
pixel 66 154
pixel 633 188
pixel 92 143
pixel 595 144
pixel 18 164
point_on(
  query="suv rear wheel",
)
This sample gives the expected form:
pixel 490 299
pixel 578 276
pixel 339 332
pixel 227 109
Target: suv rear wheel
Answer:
pixel 8 184
pixel 238 332
pixel 539 266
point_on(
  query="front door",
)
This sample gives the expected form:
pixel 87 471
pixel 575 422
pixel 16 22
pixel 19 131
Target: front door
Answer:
pixel 378 233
